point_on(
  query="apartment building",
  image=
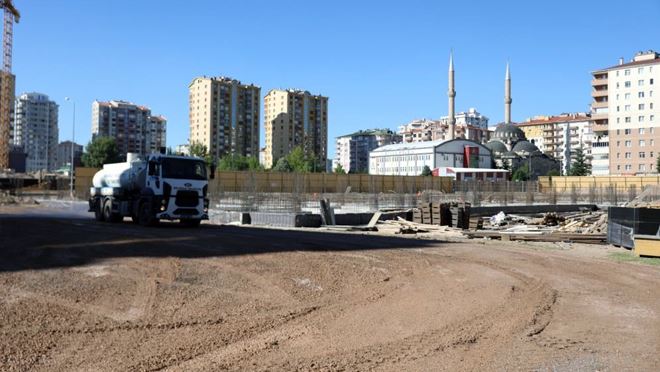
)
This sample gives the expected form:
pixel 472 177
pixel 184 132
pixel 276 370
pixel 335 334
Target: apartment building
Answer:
pixel 469 125
pixel 224 116
pixel 626 116
pixel 132 126
pixel 63 154
pixel 560 136
pixel 36 130
pixel 295 118
pixel 352 150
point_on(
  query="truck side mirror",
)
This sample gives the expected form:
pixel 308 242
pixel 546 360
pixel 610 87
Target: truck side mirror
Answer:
pixel 212 171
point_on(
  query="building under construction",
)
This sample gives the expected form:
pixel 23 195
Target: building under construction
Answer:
pixel 7 80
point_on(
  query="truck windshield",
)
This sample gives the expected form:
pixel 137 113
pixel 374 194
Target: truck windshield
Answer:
pixel 184 169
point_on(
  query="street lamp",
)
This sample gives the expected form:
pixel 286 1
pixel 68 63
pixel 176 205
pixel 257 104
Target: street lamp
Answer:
pixel 73 145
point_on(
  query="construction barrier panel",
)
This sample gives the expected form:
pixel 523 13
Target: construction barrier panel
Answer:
pixel 275 182
pixel 566 183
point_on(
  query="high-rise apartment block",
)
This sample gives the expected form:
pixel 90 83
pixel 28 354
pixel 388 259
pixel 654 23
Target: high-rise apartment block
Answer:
pixel 36 130
pixel 626 116
pixel 295 118
pixel 352 150
pixel 224 116
pixel 7 84
pixel 132 126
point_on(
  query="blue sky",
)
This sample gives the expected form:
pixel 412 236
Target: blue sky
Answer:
pixel 381 63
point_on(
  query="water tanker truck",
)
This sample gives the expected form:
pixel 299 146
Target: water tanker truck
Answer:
pixel 159 187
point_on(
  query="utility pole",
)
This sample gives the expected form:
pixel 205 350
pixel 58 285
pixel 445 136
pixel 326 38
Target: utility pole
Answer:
pixel 73 146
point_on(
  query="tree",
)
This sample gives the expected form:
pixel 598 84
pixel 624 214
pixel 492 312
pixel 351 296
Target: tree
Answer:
pixel 340 169
pixel 282 165
pixel 236 162
pixel 579 166
pixel 299 161
pixel 99 151
pixel 505 165
pixel 657 164
pixel 201 151
pixel 426 171
pixel 553 173
pixel 520 174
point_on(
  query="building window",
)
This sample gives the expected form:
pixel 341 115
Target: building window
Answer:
pixel 642 167
pixel 650 81
pixel 628 155
pixel 640 118
pixel 640 106
pixel 626 84
pixel 618 143
pixel 626 72
pixel 642 154
pixel 640 83
pixel 618 120
pixel 628 167
pixel 626 108
pixel 627 131
pixel 626 96
pixel 641 130
pixel 652 142
pixel 618 155
pixel 651 118
pixel 640 70
pixel 618 167
pixel 627 119
pixel 640 95
pixel 628 143
pixel 618 109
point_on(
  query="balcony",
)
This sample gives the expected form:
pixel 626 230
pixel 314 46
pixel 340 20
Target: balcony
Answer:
pixel 595 105
pixel 599 93
pixel 599 127
pixel 598 82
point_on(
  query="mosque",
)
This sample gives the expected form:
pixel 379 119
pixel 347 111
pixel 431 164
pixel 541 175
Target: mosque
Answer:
pixel 509 143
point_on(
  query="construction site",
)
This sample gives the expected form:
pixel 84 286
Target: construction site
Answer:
pixel 299 279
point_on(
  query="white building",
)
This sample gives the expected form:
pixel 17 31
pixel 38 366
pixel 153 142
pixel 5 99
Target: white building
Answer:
pixel 36 130
pixel 352 150
pixel 409 159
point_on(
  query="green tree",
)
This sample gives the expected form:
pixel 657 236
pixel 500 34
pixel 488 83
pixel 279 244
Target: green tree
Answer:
pixel 236 162
pixel 253 163
pixel 340 169
pixel 553 173
pixel 99 151
pixel 520 174
pixel 580 167
pixel 657 164
pixel 201 151
pixel 426 171
pixel 505 165
pixel 282 165
pixel 299 161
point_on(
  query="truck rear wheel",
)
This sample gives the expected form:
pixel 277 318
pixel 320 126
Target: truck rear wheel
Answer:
pixel 108 214
pixel 146 216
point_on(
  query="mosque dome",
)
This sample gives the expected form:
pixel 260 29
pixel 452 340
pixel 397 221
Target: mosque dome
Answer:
pixel 496 147
pixel 509 132
pixel 525 146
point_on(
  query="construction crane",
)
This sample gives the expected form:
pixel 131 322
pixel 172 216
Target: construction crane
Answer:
pixel 11 15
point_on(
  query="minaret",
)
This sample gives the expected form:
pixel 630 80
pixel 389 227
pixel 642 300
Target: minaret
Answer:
pixel 451 93
pixel 507 96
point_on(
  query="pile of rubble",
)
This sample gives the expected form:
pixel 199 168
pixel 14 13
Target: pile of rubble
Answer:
pixel 585 223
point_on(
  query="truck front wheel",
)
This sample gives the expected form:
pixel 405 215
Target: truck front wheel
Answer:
pixel 146 216
pixel 98 211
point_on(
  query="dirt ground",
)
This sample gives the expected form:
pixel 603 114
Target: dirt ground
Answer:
pixel 79 295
